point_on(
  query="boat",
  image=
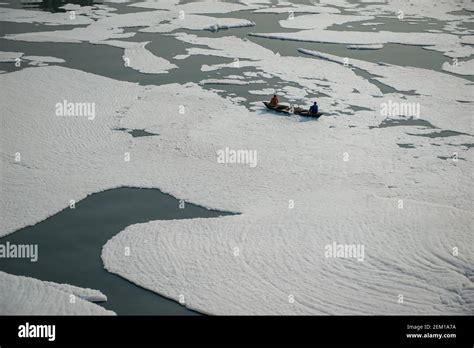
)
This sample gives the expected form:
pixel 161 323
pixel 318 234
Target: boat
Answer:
pixel 306 113
pixel 284 109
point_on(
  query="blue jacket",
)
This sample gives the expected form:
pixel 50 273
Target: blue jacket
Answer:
pixel 313 109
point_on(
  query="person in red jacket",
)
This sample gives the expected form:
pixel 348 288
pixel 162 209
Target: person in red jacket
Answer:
pixel 274 101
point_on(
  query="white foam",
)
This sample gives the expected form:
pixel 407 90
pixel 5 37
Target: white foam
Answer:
pixel 265 91
pixel 318 76
pixel 223 82
pixel 86 294
pixel 6 57
pixel 88 34
pixel 365 47
pixel 42 60
pixel 372 23
pixel 112 27
pixel 281 250
pixel 29 296
pixel 293 93
pixel 137 57
pixel 196 22
pixel 436 106
pixel 461 68
pixel 415 9
pixel 83 15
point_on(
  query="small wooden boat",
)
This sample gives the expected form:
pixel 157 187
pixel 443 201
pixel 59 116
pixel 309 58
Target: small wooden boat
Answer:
pixel 306 113
pixel 284 109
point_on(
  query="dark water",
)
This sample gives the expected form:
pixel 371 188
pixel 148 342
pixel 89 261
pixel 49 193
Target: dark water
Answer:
pixel 136 133
pixel 440 134
pixel 405 122
pixel 70 245
pixel 406 146
pixel 48 5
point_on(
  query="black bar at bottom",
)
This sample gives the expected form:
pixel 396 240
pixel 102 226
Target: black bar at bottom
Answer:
pixel 135 331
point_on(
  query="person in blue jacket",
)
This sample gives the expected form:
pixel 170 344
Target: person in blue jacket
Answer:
pixel 314 108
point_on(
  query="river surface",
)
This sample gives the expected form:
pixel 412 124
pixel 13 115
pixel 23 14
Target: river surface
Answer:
pixel 71 241
pixel 70 245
